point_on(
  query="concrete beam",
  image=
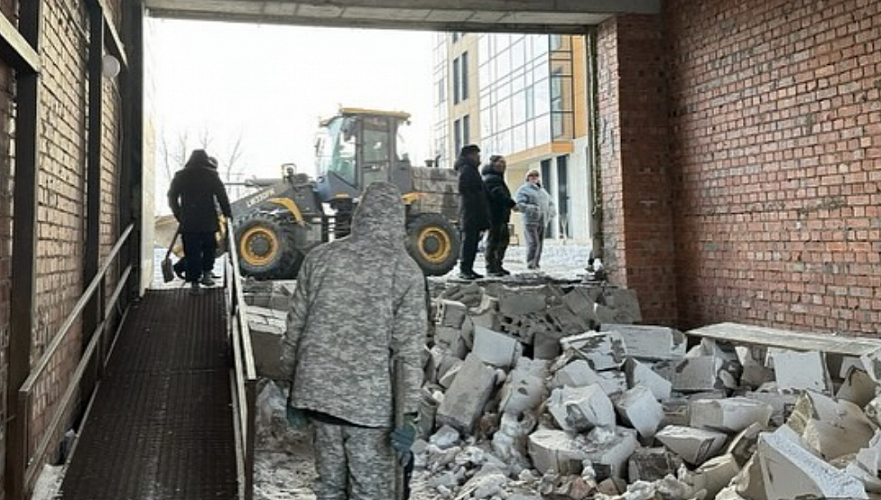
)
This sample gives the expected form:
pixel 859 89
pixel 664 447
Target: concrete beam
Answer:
pixel 15 50
pixel 563 16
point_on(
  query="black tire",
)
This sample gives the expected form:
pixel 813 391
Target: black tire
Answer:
pixel 433 242
pixel 267 246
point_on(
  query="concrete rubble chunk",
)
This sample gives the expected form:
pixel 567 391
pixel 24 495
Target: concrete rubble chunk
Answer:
pixel 752 361
pixel 782 404
pixel 449 375
pixel 446 437
pixel 451 339
pixel 464 401
pixel 640 375
pixel 555 451
pixel 608 450
pixel 578 373
pixel 800 371
pixel 713 476
pixel 873 410
pixel 451 313
pixel 652 464
pixel 521 300
pixel 743 446
pixel 624 303
pixel 692 374
pixel 749 482
pixel 857 387
pixel 267 334
pixel 694 446
pixel 789 471
pixel 581 408
pixel 602 350
pixel 639 409
pixel 495 348
pixel 730 415
pixel 831 428
pixel 654 343
pixel 525 388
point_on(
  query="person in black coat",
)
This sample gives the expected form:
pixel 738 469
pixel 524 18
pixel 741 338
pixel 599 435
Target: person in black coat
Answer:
pixel 500 206
pixel 191 198
pixel 473 209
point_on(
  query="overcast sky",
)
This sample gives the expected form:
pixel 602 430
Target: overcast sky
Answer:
pixel 270 85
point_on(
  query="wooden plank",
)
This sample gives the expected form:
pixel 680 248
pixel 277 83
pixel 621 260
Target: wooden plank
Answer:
pixel 15 50
pixel 786 339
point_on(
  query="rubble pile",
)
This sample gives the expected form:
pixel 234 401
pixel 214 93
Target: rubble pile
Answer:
pixel 553 392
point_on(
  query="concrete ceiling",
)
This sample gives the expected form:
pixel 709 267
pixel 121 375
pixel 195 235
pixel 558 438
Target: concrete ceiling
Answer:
pixel 563 16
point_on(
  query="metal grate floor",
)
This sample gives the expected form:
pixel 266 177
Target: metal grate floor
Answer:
pixel 161 427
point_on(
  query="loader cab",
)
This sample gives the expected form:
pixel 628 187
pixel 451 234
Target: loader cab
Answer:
pixel 357 147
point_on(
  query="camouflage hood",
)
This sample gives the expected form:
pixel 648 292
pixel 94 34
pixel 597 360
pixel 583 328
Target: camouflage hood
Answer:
pixel 380 217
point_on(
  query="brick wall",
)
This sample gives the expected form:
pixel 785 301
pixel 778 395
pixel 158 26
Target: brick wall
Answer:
pixel 638 224
pixel 775 121
pixel 110 171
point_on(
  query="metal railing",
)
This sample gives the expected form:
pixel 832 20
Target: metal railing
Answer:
pixel 30 464
pixel 244 372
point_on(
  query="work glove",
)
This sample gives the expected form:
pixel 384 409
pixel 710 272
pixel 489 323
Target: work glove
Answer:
pixel 403 438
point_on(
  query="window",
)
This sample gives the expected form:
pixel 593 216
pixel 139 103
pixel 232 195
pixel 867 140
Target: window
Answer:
pixel 457 136
pixel 441 91
pixel 463 62
pixel 457 96
pixel 563 194
pixel 556 42
pixel 466 129
pixel 457 35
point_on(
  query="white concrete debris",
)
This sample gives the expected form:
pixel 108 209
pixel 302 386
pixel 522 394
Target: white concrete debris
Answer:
pixel 712 476
pixel 729 415
pixel 495 348
pixel 790 471
pixel 639 409
pixel 829 427
pixel 652 464
pixel 464 401
pixel 607 450
pixel 857 387
pixel 647 342
pixel 800 371
pixel 555 451
pixel 640 375
pixel 581 408
pixel 692 374
pixel 525 388
pixel 451 313
pixel 695 446
pixel 578 373
pixel 603 351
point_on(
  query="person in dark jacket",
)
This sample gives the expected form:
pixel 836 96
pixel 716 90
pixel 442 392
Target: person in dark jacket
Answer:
pixel 473 209
pixel 191 198
pixel 500 206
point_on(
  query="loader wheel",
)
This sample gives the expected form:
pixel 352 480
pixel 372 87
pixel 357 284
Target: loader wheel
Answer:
pixel 433 242
pixel 267 247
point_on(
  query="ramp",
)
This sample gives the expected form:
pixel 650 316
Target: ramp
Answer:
pixel 161 426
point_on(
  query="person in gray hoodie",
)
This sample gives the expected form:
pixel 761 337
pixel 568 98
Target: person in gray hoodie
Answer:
pixel 538 209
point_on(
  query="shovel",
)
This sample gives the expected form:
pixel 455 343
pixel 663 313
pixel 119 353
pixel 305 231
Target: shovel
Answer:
pixel 167 266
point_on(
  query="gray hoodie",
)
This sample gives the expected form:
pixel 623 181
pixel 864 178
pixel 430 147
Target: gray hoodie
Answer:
pixel 359 302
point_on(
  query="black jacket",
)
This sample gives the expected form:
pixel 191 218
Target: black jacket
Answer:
pixel 499 196
pixel 191 198
pixel 473 206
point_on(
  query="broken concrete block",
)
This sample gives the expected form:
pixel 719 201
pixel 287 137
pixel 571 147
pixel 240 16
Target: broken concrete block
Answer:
pixel 692 374
pixel 873 410
pixel 546 345
pixel 694 446
pixel 743 446
pixel 641 375
pixel 749 482
pixel 654 343
pixel 486 314
pixel 652 464
pixel 858 387
pixel 555 451
pixel 464 401
pixel 755 373
pixel 446 380
pixel 451 339
pixel 525 388
pixel 579 374
pixel 522 300
pixel 603 350
pixel 451 313
pixel 640 410
pixel 625 304
pixel 729 415
pixel 800 371
pixel 495 348
pixel 581 408
pixel 831 428
pixel 713 476
pixel 266 344
pixel 608 450
pixel 781 404
pixel 789 471
pixel 675 412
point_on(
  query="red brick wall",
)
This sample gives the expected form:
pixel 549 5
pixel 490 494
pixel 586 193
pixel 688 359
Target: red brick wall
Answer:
pixel 637 224
pixel 775 118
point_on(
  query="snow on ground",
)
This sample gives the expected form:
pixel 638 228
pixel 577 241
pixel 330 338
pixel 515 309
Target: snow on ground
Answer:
pixel 48 483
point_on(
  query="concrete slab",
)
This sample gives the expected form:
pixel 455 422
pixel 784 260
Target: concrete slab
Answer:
pixel 494 348
pixel 640 375
pixel 652 343
pixel 730 415
pixel 580 409
pixel 464 401
pixel 602 350
pixel 639 409
pixel 695 446
pixel 693 374
pixel 801 371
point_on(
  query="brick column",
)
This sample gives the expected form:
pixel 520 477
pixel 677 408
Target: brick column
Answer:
pixel 637 221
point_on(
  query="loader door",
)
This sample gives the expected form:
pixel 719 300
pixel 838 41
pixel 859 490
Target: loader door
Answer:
pixel 377 150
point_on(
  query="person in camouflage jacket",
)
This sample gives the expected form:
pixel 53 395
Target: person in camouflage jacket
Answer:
pixel 359 304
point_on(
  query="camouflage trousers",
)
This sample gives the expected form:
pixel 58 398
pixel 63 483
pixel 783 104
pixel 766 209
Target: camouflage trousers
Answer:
pixel 353 463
